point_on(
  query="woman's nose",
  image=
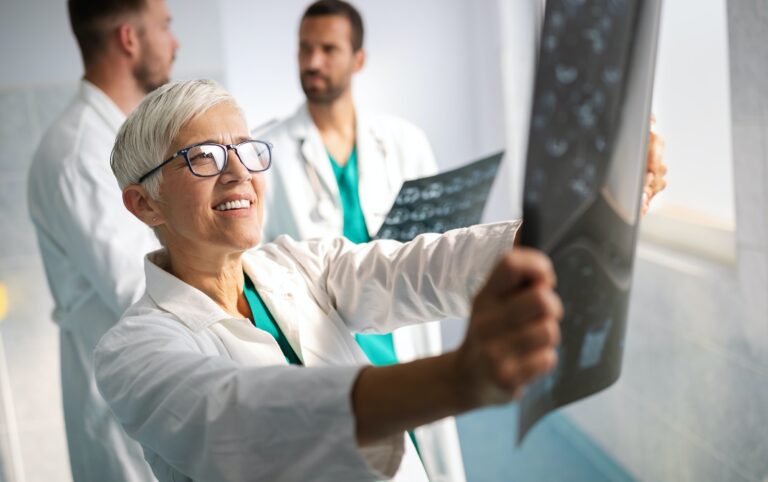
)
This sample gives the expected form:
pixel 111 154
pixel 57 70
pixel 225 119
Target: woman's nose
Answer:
pixel 234 171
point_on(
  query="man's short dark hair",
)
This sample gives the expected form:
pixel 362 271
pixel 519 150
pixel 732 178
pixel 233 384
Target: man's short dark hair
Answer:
pixel 92 22
pixel 338 7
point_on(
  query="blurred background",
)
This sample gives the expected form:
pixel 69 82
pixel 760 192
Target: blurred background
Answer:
pixel 692 401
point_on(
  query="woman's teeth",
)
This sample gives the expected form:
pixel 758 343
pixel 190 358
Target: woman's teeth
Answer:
pixel 241 204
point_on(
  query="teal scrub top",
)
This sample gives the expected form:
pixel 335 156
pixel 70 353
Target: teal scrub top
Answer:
pixel 264 320
pixel 380 349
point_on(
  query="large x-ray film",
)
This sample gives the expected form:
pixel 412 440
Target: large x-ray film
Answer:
pixel 583 184
pixel 436 204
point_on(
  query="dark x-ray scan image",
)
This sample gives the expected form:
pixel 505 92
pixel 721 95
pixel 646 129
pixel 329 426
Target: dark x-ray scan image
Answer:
pixel 436 204
pixel 583 183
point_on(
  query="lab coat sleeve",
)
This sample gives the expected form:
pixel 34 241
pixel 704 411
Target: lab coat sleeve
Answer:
pixel 104 240
pixel 213 419
pixel 383 285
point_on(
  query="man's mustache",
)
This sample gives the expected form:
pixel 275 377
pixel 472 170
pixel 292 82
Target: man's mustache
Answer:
pixel 313 73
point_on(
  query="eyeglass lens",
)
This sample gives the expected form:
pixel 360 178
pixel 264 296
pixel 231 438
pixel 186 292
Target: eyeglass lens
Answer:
pixel 209 159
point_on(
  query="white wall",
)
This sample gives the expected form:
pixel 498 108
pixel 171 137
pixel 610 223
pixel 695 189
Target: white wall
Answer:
pixel 37 45
pixel 519 31
pixel 691 401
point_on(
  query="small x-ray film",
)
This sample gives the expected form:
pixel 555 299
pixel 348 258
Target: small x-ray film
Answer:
pixel 436 204
pixel 584 171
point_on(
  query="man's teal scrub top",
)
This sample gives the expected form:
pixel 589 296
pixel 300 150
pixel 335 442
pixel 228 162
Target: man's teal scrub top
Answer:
pixel 379 349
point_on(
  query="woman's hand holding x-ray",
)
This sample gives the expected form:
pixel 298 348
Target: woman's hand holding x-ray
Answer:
pixel 512 336
pixel 514 329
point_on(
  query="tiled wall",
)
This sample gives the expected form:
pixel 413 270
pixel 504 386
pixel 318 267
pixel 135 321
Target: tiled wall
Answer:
pixel 29 336
pixel 691 401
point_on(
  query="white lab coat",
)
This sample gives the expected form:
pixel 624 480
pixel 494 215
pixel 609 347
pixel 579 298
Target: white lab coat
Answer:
pixel 92 248
pixel 303 201
pixel 211 398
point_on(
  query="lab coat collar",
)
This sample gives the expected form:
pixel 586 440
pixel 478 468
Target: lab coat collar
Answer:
pixel 275 286
pixel 197 311
pixel 192 307
pixel 102 104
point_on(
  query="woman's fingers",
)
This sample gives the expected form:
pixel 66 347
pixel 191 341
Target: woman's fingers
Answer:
pixel 517 269
pixel 514 329
pixel 516 372
pixel 656 167
pixel 543 333
pixel 516 347
pixel 511 314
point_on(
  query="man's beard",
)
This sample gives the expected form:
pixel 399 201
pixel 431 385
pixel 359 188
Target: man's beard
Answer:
pixel 148 78
pixel 327 95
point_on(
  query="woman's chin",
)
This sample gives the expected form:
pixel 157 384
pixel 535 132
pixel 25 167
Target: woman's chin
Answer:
pixel 246 241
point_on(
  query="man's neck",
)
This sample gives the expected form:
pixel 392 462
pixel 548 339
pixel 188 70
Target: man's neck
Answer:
pixel 119 86
pixel 336 123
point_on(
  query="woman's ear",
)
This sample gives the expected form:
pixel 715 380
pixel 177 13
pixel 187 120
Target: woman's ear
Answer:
pixel 140 204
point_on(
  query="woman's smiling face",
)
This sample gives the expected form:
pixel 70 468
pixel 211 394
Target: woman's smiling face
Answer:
pixel 220 214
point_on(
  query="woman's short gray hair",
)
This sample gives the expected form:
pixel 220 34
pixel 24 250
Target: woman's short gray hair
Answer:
pixel 149 131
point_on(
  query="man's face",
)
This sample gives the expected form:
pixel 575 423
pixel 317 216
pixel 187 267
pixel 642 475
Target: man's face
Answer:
pixel 158 46
pixel 326 59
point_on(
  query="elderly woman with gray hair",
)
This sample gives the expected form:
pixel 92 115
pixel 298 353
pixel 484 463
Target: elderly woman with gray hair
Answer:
pixel 239 362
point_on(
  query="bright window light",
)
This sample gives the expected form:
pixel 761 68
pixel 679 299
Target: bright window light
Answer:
pixel 692 106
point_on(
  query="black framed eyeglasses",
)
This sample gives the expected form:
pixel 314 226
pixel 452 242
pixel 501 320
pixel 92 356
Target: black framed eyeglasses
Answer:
pixel 209 159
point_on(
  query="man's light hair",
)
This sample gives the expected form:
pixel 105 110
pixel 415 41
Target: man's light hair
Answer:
pixel 146 136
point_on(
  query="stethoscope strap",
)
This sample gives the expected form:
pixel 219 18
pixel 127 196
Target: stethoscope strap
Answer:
pixel 324 209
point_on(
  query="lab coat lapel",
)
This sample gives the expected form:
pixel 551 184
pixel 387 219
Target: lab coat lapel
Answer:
pixel 316 338
pixel 305 133
pixel 327 341
pixel 374 184
pixel 273 282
